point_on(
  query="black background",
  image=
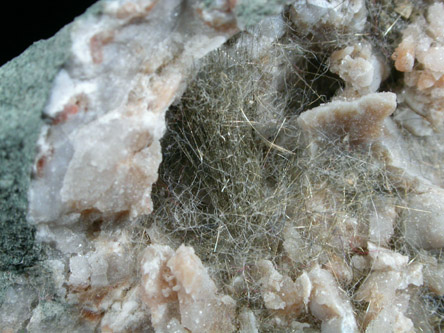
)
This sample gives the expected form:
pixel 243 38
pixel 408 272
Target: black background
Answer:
pixel 24 22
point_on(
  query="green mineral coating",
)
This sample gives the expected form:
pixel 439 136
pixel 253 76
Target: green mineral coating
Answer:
pixel 25 83
pixel 250 12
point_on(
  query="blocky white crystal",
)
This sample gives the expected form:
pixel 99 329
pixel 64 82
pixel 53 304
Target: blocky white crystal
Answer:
pixel 329 304
pixel 361 70
pixel 362 120
pixel 310 14
pixel 424 224
pixel 381 222
pixel 434 275
pixel 80 271
pixel 177 287
pixel 281 293
pixel 384 289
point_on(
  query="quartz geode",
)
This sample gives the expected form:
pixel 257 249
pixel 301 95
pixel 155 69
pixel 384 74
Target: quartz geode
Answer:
pixel 215 166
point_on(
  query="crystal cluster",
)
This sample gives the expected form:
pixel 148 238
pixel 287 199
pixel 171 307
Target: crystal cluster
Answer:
pixel 100 151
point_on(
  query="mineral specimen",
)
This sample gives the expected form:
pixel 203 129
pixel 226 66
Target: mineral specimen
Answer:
pixel 180 293
pixel 360 120
pixel 200 171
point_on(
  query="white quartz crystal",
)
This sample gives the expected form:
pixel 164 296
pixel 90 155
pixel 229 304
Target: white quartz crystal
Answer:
pixel 339 269
pixel 434 275
pixel 310 14
pixel 385 289
pixel 404 168
pixel 178 289
pixel 80 271
pixel 361 120
pixel 248 322
pixel 329 304
pixel 420 55
pixel 294 245
pixel 361 70
pixel 424 224
pixel 316 290
pixel 280 293
pixel 129 314
pixel 384 259
pixel 17 307
pixel 382 221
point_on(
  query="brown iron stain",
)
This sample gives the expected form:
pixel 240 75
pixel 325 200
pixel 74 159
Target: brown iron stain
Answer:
pixel 96 44
pixel 90 300
pixel 75 105
pixel 91 315
pixel 63 116
pixel 41 163
pixel 131 10
pixel 224 26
